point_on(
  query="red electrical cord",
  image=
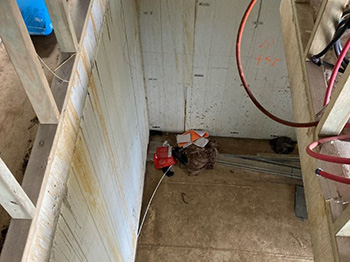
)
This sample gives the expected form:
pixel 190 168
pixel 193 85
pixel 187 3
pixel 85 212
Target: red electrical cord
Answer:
pixel 288 123
pixel 335 72
pixel 244 80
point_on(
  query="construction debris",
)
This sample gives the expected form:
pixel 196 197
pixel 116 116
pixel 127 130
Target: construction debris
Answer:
pixel 200 158
pixel 282 145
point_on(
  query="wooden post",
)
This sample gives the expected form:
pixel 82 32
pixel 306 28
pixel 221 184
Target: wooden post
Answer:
pixel 323 241
pixel 337 112
pixel 12 196
pixel 21 51
pixel 63 25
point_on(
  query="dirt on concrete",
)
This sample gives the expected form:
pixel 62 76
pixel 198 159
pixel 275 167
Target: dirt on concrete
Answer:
pixel 224 214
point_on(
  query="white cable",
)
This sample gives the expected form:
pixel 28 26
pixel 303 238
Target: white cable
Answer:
pixel 150 201
pixel 60 78
pixel 65 61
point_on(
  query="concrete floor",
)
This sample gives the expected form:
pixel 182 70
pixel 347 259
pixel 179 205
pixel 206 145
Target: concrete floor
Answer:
pixel 223 214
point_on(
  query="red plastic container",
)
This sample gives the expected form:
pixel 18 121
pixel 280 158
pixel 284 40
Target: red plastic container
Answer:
pixel 162 159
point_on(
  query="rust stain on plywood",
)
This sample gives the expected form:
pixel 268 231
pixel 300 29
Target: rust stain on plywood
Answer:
pixel 97 107
pixel 89 183
pixel 94 27
pixel 81 167
pixel 85 61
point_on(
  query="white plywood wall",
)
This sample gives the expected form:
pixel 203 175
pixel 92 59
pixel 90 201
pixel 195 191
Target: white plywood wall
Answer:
pixel 99 217
pixel 190 70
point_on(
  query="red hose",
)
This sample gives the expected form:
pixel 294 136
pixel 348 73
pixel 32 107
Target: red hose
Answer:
pixel 332 159
pixel 327 158
pixel 335 72
pixel 293 124
pixel 244 80
pixel 330 176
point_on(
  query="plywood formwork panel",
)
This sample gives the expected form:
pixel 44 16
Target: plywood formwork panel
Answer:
pixel 74 237
pixel 167 30
pixel 132 124
pixel 110 151
pixel 210 90
pixel 53 188
pixel 219 103
pixel 106 179
pixel 135 61
pixel 114 86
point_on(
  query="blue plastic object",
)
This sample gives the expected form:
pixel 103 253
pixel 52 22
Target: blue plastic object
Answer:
pixel 36 17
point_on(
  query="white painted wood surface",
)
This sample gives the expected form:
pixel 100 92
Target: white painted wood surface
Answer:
pixel 12 196
pixel 167 30
pixel 190 70
pixel 103 201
